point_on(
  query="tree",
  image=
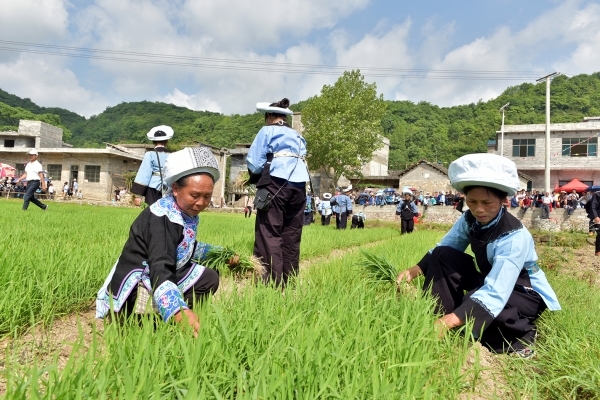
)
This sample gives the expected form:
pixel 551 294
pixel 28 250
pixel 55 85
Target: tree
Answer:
pixel 342 126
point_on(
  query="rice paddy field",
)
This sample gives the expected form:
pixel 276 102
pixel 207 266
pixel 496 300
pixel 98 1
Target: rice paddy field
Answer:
pixel 334 334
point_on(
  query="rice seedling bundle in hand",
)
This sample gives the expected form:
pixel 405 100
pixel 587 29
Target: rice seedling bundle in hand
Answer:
pixel 378 268
pixel 217 259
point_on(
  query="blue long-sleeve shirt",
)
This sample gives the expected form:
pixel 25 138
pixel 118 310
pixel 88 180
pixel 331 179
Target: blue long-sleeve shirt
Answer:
pixel 148 176
pixel 344 204
pixel 508 255
pixel 279 140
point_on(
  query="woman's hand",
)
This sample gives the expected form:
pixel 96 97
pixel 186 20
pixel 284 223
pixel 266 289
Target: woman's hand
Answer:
pixel 448 322
pixel 187 317
pixel 409 274
pixel 233 261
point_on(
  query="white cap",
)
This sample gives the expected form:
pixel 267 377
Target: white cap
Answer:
pixel 326 196
pixel 484 169
pixel 190 161
pixel 268 108
pixel 32 152
pixel 160 133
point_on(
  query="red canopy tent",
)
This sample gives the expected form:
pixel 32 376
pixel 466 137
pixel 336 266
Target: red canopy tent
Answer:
pixel 6 170
pixel 575 184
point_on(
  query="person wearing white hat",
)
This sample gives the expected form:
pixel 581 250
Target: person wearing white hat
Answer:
pixel 34 176
pixel 276 163
pixel 160 267
pixel 507 291
pixel 407 210
pixel 325 209
pixel 149 180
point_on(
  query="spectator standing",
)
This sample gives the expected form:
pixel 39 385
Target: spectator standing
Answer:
pixel 594 215
pixel 65 190
pixel 35 178
pixel 75 185
pixel 546 201
pixel 51 191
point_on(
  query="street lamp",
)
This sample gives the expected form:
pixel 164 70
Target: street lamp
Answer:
pixel 502 130
pixel 547 157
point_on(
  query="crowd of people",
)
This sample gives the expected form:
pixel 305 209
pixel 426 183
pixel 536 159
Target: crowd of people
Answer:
pixel 548 202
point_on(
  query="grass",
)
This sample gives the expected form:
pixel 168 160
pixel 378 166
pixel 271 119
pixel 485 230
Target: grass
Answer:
pixel 336 334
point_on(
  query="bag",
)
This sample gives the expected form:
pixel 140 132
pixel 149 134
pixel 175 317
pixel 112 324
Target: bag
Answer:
pixel 262 200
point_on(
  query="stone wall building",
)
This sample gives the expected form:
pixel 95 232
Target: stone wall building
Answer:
pixel 573 151
pixel 425 177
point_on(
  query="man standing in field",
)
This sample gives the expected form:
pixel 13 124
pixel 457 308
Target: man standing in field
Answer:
pixel 34 177
pixel 344 209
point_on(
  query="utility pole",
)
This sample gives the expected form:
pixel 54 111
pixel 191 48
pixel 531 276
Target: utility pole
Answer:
pixel 547 157
pixel 502 130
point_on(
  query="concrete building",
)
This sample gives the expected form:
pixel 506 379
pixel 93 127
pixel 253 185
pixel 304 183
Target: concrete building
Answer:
pixel 573 151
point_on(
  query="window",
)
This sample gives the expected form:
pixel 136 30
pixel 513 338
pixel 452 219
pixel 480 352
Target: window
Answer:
pixel 580 147
pixel 523 148
pixel 92 173
pixel 9 143
pixel 54 171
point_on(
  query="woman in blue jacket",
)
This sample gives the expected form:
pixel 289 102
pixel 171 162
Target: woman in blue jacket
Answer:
pixel 507 291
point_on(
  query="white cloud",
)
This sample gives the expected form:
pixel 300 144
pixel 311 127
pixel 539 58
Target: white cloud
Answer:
pixel 237 24
pixel 49 84
pixel 193 102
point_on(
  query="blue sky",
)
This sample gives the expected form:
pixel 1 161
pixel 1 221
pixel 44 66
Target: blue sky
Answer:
pixel 527 38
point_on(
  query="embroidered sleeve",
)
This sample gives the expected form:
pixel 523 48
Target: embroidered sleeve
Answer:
pixel 202 249
pixel 169 300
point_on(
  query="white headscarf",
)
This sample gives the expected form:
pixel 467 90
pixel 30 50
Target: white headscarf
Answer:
pixel 484 169
pixel 189 161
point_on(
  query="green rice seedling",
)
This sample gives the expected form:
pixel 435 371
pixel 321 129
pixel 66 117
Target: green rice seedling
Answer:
pixel 218 257
pixel 378 268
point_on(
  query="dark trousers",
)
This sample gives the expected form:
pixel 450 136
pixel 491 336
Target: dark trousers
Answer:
pixel 32 186
pixel 205 286
pixel 308 218
pixel 545 211
pixel 152 196
pixel 325 219
pixel 451 272
pixel 278 231
pixel 407 225
pixel 341 220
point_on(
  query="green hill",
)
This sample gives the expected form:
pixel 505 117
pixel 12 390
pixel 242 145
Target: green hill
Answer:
pixel 416 131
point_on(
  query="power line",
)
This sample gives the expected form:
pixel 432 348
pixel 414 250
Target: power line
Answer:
pixel 259 66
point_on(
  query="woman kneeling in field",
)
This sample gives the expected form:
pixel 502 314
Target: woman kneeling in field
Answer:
pixel 158 269
pixel 509 291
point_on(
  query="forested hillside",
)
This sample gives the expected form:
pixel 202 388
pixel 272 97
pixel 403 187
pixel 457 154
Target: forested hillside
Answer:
pixel 416 131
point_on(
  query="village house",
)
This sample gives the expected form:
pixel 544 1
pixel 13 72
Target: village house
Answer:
pixel 98 171
pixel 573 151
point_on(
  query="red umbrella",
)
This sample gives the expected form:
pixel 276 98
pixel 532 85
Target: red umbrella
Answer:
pixel 576 185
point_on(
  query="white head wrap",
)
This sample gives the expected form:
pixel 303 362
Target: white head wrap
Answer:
pixel 160 133
pixel 268 108
pixel 326 196
pixel 189 161
pixel 484 169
